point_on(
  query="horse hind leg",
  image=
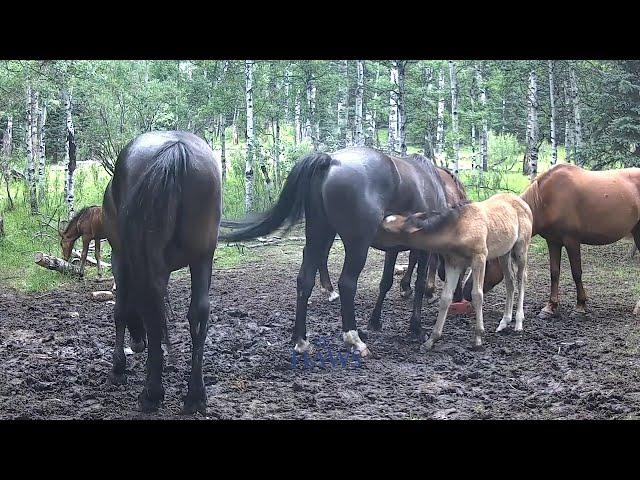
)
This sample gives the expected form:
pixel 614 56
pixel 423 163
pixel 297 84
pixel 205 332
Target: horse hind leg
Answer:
pixel 405 283
pixel 198 315
pixel 451 279
pixel 521 261
pixel 319 237
pixel 636 238
pixel 325 279
pixel 575 260
pixel 509 277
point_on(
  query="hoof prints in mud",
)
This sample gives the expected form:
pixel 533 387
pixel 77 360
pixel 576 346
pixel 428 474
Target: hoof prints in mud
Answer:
pixel 56 366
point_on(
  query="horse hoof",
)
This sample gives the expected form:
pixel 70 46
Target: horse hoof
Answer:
pixel 333 296
pixel 302 346
pixel 117 379
pixel 138 347
pixel 148 404
pixel 578 314
pixel 432 300
pixel 545 314
pixel 374 326
pixel 477 348
pixel 365 352
pixel 193 405
pixel 426 346
pixel 416 331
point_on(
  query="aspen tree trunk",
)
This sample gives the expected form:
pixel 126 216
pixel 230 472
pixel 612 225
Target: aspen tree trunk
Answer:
pixel 374 119
pixel 248 171
pixel 474 152
pixel 484 134
pixel 576 117
pixel 287 92
pixel 504 114
pixel 358 137
pixel 552 101
pixel 41 140
pixel 402 132
pixel 533 128
pixel 298 136
pixel 70 153
pixel 235 134
pixel 223 143
pixel 7 139
pixel 454 115
pixel 31 150
pixel 312 126
pixel 343 105
pixel 440 119
pixel 568 130
pixel 275 126
pixel 393 108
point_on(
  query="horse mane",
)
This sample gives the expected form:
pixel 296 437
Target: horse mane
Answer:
pixel 459 185
pixel 77 217
pixel 438 220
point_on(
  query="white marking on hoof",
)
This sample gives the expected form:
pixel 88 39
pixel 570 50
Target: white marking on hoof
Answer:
pixel 333 296
pixel 128 351
pixel 428 345
pixel 352 339
pixel 637 308
pixel 113 289
pixel 390 218
pixel 503 324
pixel 302 346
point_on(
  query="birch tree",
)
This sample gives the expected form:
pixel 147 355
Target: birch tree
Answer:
pixel 577 123
pixel 568 124
pixel 393 108
pixel 222 125
pixel 532 140
pixel 358 137
pixel 453 79
pixel 42 176
pixel 248 171
pixel 440 119
pixel 69 153
pixel 7 139
pixel 401 139
pixel 298 135
pixel 484 134
pixel 312 122
pixel 31 156
pixel 552 104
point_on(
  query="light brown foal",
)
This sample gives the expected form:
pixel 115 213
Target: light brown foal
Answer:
pixel 88 224
pixel 468 235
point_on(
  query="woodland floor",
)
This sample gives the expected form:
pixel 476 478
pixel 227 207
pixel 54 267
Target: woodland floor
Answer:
pixel 53 366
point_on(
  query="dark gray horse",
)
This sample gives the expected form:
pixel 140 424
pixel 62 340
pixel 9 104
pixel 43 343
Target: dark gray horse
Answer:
pixel 162 212
pixel 348 192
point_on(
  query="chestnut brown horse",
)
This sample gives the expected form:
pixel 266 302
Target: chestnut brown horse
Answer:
pixel 455 193
pixel 88 224
pixel 162 212
pixel 572 206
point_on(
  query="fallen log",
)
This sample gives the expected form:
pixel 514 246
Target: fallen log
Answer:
pixel 90 260
pixel 57 264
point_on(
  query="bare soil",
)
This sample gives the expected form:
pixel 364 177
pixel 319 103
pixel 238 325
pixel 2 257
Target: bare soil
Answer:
pixel 54 366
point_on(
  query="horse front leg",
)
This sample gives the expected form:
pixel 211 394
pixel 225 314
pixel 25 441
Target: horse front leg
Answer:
pixel 97 243
pixel 85 251
pixel 385 284
pixel 405 283
pixel 555 254
pixel 477 296
pixel 198 315
pixel 415 324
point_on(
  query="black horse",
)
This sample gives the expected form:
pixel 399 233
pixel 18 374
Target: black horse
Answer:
pixel 162 212
pixel 349 192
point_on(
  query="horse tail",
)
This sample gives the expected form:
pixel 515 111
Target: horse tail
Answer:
pixel 290 206
pixel 147 223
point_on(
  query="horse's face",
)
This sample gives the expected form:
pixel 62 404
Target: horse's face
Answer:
pixel 67 246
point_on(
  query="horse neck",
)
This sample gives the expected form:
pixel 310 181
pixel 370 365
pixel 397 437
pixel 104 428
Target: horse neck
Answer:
pixel 72 233
pixel 532 196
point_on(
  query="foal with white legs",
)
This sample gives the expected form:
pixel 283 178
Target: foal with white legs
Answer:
pixel 469 234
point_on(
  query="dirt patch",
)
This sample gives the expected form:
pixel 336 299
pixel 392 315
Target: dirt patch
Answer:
pixel 55 366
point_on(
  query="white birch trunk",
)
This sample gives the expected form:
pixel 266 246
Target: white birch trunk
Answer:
pixel 235 135
pixel 298 136
pixel 454 115
pixel 275 125
pixel 533 124
pixel 401 138
pixel 576 117
pixel 312 129
pixel 42 175
pixel 7 140
pixel 484 134
pixel 248 171
pixel 222 125
pixel 358 137
pixel 31 140
pixel 440 120
pixel 393 108
pixel 552 102
pixel 374 119
pixel 568 125
pixel 70 154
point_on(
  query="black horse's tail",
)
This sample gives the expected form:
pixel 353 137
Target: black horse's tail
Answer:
pixel 289 208
pixel 147 223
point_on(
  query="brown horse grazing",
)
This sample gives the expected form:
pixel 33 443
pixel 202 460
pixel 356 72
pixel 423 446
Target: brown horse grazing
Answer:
pixel 455 193
pixel 88 224
pixel 468 235
pixel 572 206
pixel 162 212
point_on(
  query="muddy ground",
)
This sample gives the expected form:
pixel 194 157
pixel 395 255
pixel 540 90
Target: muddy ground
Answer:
pixel 53 366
